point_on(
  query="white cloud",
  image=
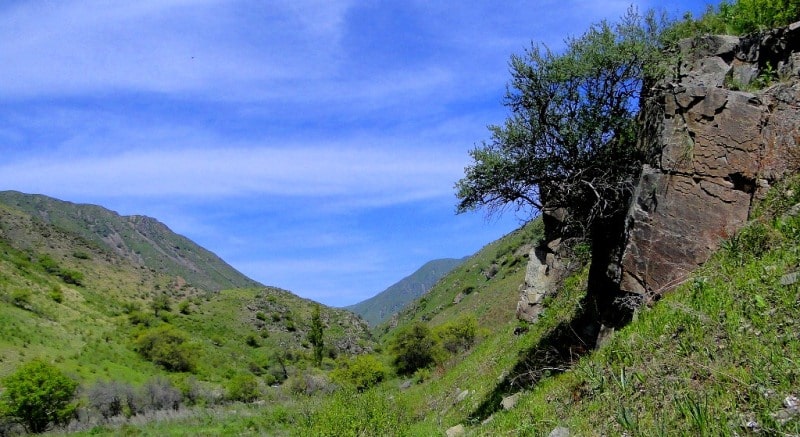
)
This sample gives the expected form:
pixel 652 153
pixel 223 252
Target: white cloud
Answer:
pixel 337 171
pixel 173 46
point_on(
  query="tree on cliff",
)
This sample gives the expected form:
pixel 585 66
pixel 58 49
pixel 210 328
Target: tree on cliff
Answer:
pixel 570 140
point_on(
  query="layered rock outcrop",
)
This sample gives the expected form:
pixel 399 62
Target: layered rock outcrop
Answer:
pixel 718 134
pixel 724 130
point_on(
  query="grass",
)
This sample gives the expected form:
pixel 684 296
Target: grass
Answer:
pixel 717 356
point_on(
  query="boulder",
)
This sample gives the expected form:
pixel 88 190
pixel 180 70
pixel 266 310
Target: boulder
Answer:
pixel 455 431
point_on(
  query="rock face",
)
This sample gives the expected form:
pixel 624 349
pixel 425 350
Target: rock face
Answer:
pixel 718 134
pixel 715 147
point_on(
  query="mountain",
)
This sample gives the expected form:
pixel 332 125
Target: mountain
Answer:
pixel 80 286
pixel 388 302
pixel 141 240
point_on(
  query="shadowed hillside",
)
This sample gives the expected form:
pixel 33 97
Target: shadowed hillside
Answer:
pixel 388 302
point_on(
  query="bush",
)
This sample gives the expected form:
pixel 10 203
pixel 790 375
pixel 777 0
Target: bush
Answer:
pixel 159 394
pixel 243 388
pixel 737 18
pixel 168 347
pixel 56 294
pixel 310 383
pixel 414 347
pixel 361 372
pixel 71 277
pixel 37 395
pixel 49 264
pixel 458 335
pixel 21 298
pixel 110 398
pixel 185 307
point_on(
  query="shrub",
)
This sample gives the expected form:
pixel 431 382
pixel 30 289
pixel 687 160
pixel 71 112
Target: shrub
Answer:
pixel 413 348
pixel 56 294
pixel 361 372
pixel 160 303
pixel 49 264
pixel 310 383
pixel 185 307
pixel 110 398
pixel 167 346
pixel 158 394
pixel 252 341
pixel 37 395
pixel 21 298
pixel 243 388
pixel 71 277
pixel 458 335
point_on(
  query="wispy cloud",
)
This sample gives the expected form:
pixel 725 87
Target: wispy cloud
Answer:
pixel 380 175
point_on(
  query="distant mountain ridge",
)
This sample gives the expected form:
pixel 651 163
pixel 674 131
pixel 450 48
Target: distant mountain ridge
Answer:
pixel 382 306
pixel 142 240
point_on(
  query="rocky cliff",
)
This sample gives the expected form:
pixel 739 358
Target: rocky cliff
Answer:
pixel 719 132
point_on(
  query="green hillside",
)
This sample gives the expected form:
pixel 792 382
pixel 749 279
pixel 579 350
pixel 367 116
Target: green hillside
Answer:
pixel 90 311
pixel 141 240
pixel 388 302
pixel 485 285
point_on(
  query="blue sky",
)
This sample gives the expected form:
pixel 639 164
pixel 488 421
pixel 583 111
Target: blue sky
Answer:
pixel 313 145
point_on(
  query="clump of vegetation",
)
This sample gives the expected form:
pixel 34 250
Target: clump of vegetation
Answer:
pixel 737 18
pixel 38 395
pixel 413 348
pixel 21 298
pixel 458 335
pixel 167 346
pixel 315 336
pixel 570 140
pixel 243 388
pixel 361 372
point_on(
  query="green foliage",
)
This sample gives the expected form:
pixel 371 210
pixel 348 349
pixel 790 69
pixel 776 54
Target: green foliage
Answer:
pixel 351 413
pixel 167 346
pixel 414 347
pixel 49 264
pixel 570 140
pixel 360 372
pixel 21 298
pixel 737 18
pixel 56 294
pixel 315 336
pixel 160 303
pixel 37 395
pixel 458 335
pixel 185 307
pixel 243 388
pixel 73 277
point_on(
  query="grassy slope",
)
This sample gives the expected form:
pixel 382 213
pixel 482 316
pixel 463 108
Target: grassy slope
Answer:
pixel 716 354
pixel 491 299
pixel 721 351
pixel 142 240
pixel 89 333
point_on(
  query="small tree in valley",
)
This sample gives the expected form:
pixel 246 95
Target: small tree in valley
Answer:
pixel 414 347
pixel 38 395
pixel 315 336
